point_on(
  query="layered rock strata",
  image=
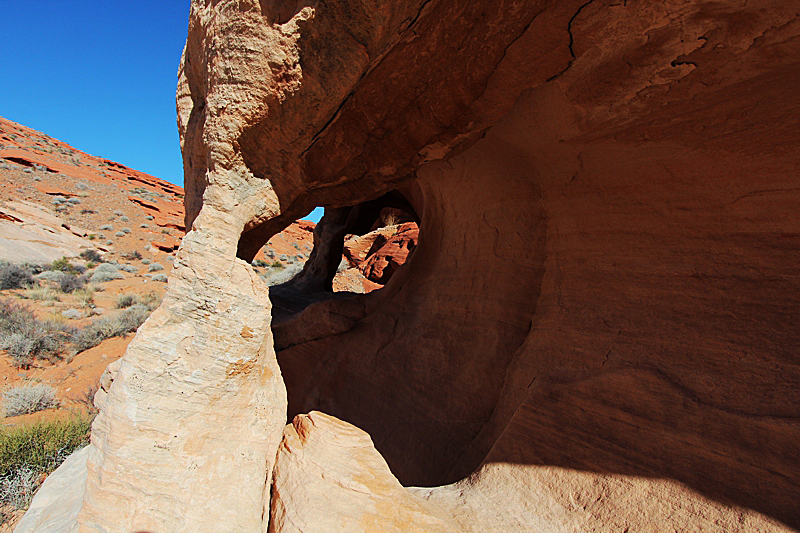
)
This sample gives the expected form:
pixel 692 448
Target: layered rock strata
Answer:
pixel 597 329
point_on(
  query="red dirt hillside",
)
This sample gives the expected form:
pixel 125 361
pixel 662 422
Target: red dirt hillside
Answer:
pixel 58 201
pixel 91 193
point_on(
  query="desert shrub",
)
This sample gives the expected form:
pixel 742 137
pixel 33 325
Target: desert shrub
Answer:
pixel 118 325
pixel 144 226
pixel 283 257
pixel 160 277
pixel 124 218
pixel 71 314
pixel 129 268
pixel 126 300
pixel 88 212
pixel 259 263
pixel 28 399
pixel 155 267
pixel 106 227
pixel 17 490
pixel 149 217
pixel 27 338
pixel 104 277
pixel 42 294
pixel 132 256
pixel 118 213
pixel 51 275
pixel 29 452
pixel 119 234
pixel 277 264
pixel 85 297
pixel 126 231
pixel 282 275
pixel 58 200
pixel 62 264
pixel 15 276
pixel 91 255
pixel 150 299
pixel 38 444
pixel 73 201
pixel 146 261
pixel 35 268
pixel 106 272
pixel 92 236
pixel 107 267
pixel 71 283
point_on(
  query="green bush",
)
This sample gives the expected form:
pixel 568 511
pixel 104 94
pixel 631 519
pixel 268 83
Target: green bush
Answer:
pixel 61 264
pixel 29 453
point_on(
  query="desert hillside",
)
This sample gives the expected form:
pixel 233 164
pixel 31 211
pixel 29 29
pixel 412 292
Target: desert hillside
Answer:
pixel 59 202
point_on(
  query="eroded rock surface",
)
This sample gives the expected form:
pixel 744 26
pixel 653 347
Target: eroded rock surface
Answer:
pixel 31 233
pixel 597 328
pixel 329 477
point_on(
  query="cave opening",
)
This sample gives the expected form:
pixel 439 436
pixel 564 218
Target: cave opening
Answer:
pixel 356 250
pixel 370 259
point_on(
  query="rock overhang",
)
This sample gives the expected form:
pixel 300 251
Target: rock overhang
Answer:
pixel 549 98
pixel 604 290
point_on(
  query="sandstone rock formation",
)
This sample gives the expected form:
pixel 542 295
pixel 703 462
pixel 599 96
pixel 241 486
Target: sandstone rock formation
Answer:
pixel 598 328
pixel 31 233
pixel 379 253
pixel 329 477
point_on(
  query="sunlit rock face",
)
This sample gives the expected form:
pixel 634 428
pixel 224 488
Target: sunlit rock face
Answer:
pixel 597 328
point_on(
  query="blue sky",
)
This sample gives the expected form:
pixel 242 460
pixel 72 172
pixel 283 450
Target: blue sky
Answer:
pixel 99 75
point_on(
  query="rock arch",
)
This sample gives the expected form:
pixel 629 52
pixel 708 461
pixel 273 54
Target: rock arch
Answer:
pixel 597 331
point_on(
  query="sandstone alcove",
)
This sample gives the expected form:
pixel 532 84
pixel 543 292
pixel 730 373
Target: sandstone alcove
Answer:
pixel 597 329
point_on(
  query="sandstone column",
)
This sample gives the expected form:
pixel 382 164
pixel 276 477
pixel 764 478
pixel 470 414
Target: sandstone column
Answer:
pixel 187 437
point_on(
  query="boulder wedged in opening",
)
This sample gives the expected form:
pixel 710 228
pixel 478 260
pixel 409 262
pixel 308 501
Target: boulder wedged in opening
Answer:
pixel 324 463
